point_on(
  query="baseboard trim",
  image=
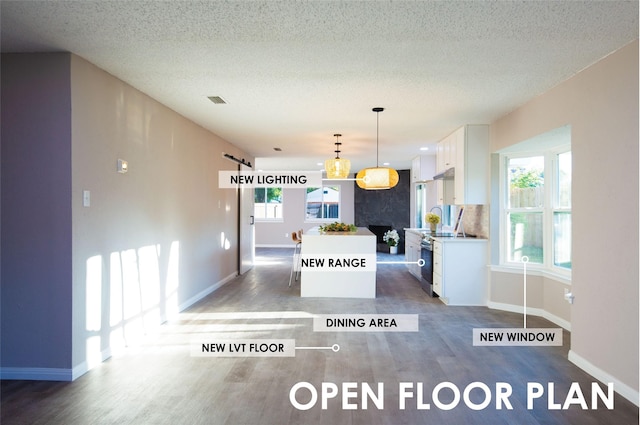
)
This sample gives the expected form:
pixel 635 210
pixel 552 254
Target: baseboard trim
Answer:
pixel 84 367
pixel 531 311
pixel 621 388
pixel 200 295
pixel 67 375
pixel 36 374
pixel 50 374
pixel 271 245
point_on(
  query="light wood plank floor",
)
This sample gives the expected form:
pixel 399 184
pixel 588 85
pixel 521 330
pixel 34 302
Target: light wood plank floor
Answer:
pixel 159 382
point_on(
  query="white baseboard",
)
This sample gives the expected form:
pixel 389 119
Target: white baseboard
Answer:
pixel 49 374
pixel 271 245
pixel 531 311
pixel 200 295
pixel 623 389
pixel 619 387
pixel 61 374
pixel 36 373
pixel 83 367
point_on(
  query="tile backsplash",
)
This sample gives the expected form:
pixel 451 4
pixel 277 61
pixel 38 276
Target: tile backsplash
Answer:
pixel 475 220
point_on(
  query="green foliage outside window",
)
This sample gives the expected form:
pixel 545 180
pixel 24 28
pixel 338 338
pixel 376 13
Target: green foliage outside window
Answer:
pixel 273 194
pixel 522 177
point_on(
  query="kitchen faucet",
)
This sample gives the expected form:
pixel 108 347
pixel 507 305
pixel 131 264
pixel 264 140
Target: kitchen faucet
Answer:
pixel 433 208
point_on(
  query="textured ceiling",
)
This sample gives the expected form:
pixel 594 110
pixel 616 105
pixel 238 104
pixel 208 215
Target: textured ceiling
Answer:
pixel 295 73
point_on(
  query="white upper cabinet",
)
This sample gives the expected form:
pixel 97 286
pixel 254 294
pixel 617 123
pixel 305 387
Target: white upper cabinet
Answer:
pixel 467 151
pixel 423 168
pixel 446 153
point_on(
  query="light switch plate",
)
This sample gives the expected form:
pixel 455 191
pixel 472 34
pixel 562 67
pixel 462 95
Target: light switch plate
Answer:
pixel 123 166
pixel 86 198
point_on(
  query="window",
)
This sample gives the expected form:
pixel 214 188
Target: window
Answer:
pixel 267 204
pixel 562 212
pixel 323 203
pixel 525 177
pixel 537 209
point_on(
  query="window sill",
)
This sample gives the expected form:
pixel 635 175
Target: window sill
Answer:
pixel 534 271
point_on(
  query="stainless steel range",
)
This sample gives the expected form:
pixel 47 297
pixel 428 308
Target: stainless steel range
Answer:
pixel 427 269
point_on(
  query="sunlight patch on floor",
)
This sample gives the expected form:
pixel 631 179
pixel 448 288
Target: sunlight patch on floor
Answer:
pixel 241 315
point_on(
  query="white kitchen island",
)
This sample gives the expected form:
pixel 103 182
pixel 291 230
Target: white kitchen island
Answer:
pixel 345 282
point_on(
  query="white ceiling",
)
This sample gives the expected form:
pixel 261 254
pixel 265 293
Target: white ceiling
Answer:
pixel 295 73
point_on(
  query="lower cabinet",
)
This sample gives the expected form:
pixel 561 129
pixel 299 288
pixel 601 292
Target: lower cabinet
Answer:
pixel 413 251
pixel 460 271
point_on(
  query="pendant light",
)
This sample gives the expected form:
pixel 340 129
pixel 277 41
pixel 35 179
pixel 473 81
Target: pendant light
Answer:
pixel 377 178
pixel 337 168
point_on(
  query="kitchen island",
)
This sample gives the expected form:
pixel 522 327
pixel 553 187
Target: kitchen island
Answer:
pixel 356 249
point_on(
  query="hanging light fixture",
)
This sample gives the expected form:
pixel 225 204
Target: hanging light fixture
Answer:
pixel 337 168
pixel 377 178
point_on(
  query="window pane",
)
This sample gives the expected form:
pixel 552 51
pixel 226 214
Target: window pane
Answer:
pixel 323 203
pixel 526 182
pixel 564 180
pixel 525 237
pixel 268 203
pixel 258 195
pixel 562 239
pixel 274 195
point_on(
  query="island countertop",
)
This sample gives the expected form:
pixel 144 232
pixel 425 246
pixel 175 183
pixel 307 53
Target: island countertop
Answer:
pixel 360 231
pixel 351 283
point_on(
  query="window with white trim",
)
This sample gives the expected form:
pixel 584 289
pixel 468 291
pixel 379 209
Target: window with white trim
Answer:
pixel 536 213
pixel 267 203
pixel 562 211
pixel 322 203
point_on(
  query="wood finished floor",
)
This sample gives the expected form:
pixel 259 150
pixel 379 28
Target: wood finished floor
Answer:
pixel 158 382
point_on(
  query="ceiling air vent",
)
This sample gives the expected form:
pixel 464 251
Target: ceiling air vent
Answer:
pixel 217 100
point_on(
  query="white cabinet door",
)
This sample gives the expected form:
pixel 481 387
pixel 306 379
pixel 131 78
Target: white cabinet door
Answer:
pixel 423 168
pixel 446 153
pixel 459 267
pixel 477 165
pixel 437 269
pixel 440 160
pixel 415 169
pixel 439 192
pixel 412 252
pixel 437 284
pixel 461 159
pixel 466 150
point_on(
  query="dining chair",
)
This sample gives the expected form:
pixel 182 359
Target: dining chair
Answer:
pixel 296 237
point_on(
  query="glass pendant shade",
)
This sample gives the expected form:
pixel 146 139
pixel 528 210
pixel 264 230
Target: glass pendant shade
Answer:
pixel 337 168
pixel 377 178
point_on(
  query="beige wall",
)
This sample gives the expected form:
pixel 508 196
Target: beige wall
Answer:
pixel 155 239
pixel 273 233
pixel 601 106
pixel 545 295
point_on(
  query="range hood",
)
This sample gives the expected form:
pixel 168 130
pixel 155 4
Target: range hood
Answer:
pixel 447 174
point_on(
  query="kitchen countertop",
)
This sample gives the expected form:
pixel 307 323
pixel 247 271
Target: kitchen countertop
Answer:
pixel 444 237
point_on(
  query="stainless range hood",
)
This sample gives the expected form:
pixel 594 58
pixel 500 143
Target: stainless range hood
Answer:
pixel 447 174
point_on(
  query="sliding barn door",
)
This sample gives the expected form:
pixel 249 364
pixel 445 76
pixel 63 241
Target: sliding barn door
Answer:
pixel 246 228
